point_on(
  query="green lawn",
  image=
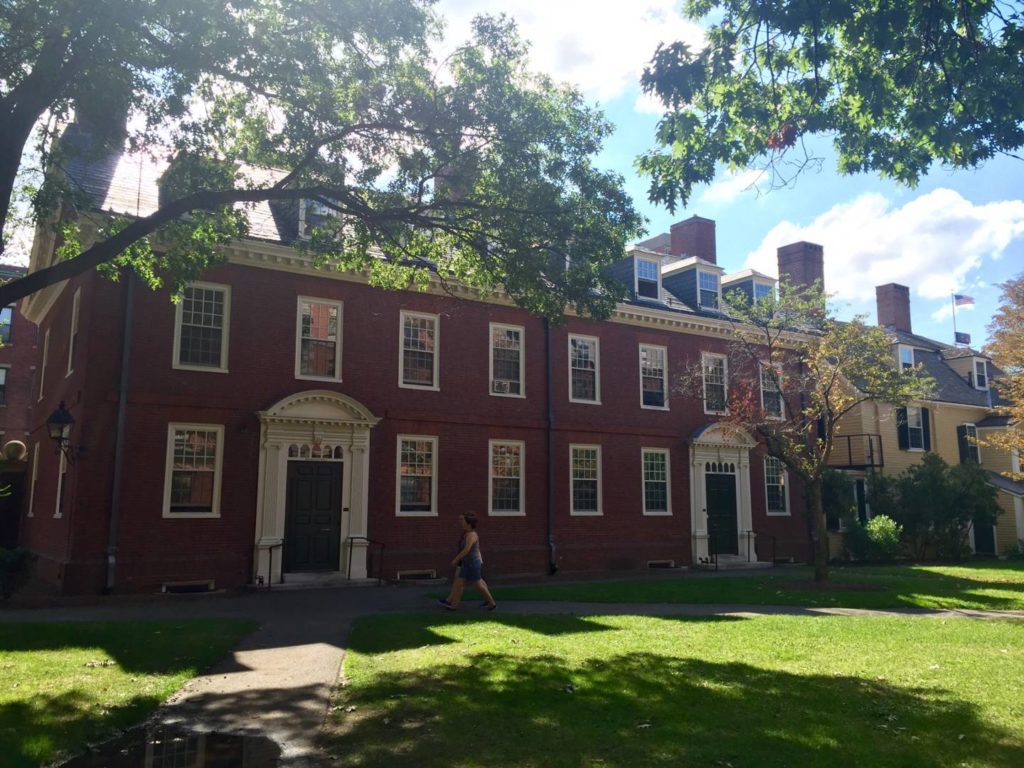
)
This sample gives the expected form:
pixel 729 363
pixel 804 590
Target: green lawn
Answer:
pixel 63 685
pixel 624 691
pixel 989 586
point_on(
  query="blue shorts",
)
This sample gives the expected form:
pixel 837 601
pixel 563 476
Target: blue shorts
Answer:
pixel 470 570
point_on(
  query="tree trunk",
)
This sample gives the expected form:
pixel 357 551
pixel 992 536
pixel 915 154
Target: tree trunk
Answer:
pixel 819 529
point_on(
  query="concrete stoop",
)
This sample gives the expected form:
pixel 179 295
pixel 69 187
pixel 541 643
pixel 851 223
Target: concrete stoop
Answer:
pixel 733 563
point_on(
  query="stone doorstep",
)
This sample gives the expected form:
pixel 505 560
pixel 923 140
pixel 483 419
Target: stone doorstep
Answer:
pixel 313 580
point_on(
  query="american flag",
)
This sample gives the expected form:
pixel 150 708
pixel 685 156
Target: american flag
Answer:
pixel 960 300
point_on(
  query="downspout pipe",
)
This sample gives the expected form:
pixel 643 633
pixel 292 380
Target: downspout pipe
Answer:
pixel 122 403
pixel 552 553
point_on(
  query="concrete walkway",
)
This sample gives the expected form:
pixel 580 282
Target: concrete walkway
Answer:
pixel 277 682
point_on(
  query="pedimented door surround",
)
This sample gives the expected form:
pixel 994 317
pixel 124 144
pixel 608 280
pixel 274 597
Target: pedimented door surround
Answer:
pixel 317 418
pixel 718 448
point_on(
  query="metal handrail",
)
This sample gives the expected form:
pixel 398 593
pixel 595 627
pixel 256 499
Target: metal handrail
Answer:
pixel 373 543
pixel 270 566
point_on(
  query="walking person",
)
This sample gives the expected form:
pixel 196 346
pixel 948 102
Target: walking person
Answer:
pixel 470 563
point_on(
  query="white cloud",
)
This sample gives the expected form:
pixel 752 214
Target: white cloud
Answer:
pixel 946 310
pixel 731 186
pixel 599 45
pixel 932 243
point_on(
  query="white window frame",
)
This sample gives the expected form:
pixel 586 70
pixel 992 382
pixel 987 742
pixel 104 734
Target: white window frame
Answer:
pixel 218 471
pixel 636 277
pixel 73 335
pixel 491 445
pixel 32 488
pixel 7 369
pixel 910 428
pixel 432 512
pixel 62 470
pixel 572 480
pixel 972 439
pixel 984 375
pixel 718 289
pixel 436 385
pixel 664 375
pixel 298 338
pixel 667 512
pixel 705 356
pixel 766 286
pixel 225 331
pixel 903 363
pixel 492 327
pixel 42 367
pixel 597 368
pixel 782 403
pixel 785 489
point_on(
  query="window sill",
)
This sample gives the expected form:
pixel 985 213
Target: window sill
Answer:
pixel 653 407
pixel 584 402
pixel 330 379
pixel 191 515
pixel 421 387
pixel 658 514
pixel 771 513
pixel 715 413
pixel 508 394
pixel 198 368
pixel 592 513
pixel 415 514
pixel 492 513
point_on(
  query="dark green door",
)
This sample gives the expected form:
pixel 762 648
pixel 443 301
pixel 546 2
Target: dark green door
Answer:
pixel 721 498
pixel 984 540
pixel 312 537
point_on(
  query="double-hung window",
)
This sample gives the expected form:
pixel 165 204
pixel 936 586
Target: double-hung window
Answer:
pixel 970 452
pixel 762 291
pixel 715 390
pixel 419 358
pixel 656 482
pixel 647 279
pixel 775 486
pixel 73 332
pixel 505 479
pixel 980 375
pixel 586 479
pixel 653 377
pixel 417 476
pixel 906 357
pixel 771 392
pixel 318 342
pixel 915 428
pixel 708 285
pixel 193 475
pixel 584 370
pixel 507 360
pixel 6 322
pixel 201 337
pixel 3 385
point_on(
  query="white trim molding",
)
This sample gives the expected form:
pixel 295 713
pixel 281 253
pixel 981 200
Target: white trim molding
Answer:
pixel 521 446
pixel 339 328
pixel 595 344
pixel 573 447
pixel 432 440
pixel 663 351
pixel 435 384
pixel 719 443
pixel 668 482
pixel 311 416
pixel 493 384
pixel 218 470
pixel 225 330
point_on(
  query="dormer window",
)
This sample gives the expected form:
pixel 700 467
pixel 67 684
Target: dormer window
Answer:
pixel 906 357
pixel 980 375
pixel 708 284
pixel 762 291
pixel 647 282
pixel 313 214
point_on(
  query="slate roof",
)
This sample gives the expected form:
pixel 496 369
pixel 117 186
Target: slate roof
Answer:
pixel 994 421
pixel 128 184
pixel 1003 483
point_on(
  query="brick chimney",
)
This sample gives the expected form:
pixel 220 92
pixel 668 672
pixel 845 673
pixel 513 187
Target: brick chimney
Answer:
pixel 694 236
pixel 800 264
pixel 893 306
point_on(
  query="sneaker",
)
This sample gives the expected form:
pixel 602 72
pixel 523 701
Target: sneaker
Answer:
pixel 488 606
pixel 443 602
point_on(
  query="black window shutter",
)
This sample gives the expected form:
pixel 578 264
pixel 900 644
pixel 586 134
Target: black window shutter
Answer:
pixel 902 430
pixel 927 429
pixel 961 441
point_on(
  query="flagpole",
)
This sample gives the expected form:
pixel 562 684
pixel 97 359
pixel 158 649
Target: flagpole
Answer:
pixel 952 300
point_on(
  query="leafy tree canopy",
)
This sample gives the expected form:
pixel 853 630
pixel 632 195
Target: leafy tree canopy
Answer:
pixel 897 85
pixel 1007 350
pixel 474 167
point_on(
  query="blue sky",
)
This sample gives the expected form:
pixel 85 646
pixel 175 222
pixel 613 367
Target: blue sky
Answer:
pixel 959 232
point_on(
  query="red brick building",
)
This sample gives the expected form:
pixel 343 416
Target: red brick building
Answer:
pixel 278 418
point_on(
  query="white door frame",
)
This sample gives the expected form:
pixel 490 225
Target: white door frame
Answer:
pixel 313 417
pixel 717 444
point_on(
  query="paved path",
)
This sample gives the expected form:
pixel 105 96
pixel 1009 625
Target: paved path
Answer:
pixel 277 683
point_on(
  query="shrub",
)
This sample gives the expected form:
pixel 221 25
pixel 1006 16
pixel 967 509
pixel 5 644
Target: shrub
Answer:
pixel 856 541
pixel 14 570
pixel 883 538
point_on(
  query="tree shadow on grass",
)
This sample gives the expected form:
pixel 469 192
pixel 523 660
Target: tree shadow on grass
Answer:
pixel 396 633
pixel 643 709
pixel 33 730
